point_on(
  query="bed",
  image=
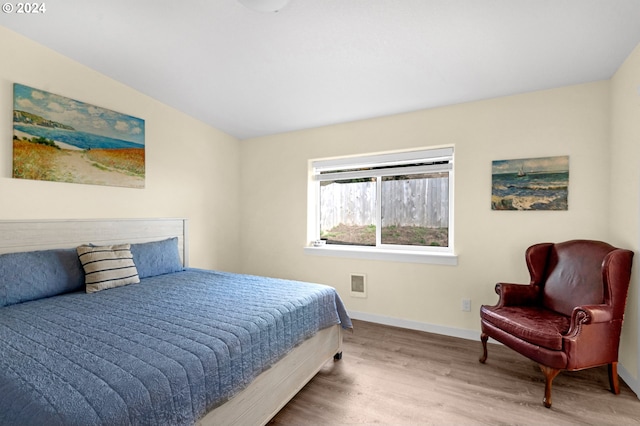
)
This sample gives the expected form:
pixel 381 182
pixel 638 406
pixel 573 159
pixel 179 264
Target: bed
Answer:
pixel 172 345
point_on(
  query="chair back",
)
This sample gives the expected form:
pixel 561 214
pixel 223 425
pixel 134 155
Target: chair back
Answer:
pixel 574 275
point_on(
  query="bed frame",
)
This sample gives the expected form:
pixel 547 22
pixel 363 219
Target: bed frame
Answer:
pixel 269 392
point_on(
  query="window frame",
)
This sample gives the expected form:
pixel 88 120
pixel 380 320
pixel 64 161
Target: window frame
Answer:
pixel 441 159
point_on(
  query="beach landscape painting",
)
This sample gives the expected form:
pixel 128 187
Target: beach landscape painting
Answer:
pixel 530 184
pixel 60 139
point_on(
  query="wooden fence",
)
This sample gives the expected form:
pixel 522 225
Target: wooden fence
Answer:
pixel 412 202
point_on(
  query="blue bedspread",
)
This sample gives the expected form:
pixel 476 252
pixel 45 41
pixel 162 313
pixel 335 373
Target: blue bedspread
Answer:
pixel 161 352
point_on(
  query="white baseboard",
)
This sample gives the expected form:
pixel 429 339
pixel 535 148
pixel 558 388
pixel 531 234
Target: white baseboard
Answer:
pixel 631 381
pixel 416 325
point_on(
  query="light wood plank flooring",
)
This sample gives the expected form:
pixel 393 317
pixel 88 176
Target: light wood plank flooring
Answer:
pixel 393 376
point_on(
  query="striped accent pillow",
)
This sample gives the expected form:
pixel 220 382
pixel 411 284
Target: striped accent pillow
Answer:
pixel 107 266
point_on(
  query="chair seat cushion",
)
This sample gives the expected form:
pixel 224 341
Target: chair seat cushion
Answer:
pixel 536 325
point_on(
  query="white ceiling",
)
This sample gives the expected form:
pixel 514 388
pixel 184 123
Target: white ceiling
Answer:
pixel 320 62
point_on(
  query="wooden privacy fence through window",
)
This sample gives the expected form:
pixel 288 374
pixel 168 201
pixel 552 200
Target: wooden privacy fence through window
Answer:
pixel 411 202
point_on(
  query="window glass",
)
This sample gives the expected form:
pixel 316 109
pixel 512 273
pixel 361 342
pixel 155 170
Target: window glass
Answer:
pixel 415 210
pixel 348 212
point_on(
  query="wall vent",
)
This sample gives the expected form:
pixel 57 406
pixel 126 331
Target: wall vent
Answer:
pixel 358 285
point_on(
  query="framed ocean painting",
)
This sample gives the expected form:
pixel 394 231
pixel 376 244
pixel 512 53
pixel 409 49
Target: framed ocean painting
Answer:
pixel 530 184
pixel 60 139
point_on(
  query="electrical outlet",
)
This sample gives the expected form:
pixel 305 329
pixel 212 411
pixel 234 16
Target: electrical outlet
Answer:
pixel 466 305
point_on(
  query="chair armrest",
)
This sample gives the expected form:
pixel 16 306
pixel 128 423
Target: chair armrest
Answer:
pixel 589 314
pixel 517 294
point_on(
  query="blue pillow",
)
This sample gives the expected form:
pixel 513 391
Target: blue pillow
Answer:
pixel 157 257
pixel 37 274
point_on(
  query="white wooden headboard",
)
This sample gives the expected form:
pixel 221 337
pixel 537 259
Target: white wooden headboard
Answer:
pixel 29 235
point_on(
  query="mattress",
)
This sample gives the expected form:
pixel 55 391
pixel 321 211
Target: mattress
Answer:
pixel 164 351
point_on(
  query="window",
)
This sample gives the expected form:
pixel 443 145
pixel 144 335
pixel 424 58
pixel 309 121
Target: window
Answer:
pixel 397 202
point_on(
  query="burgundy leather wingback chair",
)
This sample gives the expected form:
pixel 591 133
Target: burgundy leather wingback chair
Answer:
pixel 570 315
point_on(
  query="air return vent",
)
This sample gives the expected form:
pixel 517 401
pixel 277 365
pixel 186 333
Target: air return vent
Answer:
pixel 358 285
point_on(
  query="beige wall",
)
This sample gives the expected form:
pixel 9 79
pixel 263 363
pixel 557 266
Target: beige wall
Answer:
pixel 570 121
pixel 625 194
pixel 191 168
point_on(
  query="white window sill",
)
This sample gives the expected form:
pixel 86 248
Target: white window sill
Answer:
pixel 359 252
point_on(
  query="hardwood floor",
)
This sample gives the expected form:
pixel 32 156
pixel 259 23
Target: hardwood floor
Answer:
pixel 393 376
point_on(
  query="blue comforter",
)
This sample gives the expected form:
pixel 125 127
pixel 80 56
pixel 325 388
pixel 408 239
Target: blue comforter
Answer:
pixel 163 352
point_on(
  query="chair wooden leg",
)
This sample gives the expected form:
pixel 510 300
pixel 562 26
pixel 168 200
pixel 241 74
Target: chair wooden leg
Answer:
pixel 549 375
pixel 613 378
pixel 483 338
